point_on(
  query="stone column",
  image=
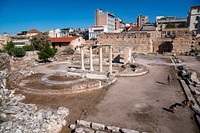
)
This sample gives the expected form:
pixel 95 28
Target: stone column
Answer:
pixel 100 59
pixel 91 60
pixel 127 55
pixel 82 59
pixel 110 59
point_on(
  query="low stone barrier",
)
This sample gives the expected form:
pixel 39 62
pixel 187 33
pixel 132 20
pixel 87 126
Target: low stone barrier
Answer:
pixel 129 72
pixel 83 126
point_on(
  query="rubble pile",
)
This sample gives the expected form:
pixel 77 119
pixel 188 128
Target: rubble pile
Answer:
pixel 18 117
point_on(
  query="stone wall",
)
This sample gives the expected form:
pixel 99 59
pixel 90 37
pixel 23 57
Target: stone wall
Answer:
pixel 138 42
pixel 182 43
pixel 142 42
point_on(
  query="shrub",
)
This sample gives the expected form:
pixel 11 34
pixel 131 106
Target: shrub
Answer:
pixel 29 48
pixel 18 52
pixel 46 52
pixel 8 47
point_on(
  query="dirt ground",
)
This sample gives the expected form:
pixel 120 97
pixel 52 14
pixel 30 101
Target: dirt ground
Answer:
pixel 132 102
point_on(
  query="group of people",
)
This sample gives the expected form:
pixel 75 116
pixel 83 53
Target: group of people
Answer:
pixel 183 104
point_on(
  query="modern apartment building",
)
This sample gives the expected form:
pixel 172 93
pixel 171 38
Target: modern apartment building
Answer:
pixel 21 40
pixel 105 19
pixel 119 24
pixel 142 20
pixel 194 19
pixel 162 21
pixel 96 30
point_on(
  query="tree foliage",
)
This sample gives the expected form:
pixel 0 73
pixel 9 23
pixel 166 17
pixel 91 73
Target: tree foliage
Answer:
pixel 18 52
pixel 183 25
pixel 170 25
pixel 8 47
pixel 29 47
pixel 46 52
pixel 39 40
pixel 14 51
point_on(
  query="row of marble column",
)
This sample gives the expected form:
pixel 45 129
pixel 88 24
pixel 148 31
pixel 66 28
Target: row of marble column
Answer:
pixel 100 59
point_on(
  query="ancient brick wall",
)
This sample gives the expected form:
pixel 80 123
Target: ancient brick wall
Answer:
pixel 138 42
pixel 182 43
pixel 142 42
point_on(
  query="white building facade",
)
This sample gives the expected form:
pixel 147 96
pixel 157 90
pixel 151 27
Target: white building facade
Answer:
pixel 96 30
pixel 194 19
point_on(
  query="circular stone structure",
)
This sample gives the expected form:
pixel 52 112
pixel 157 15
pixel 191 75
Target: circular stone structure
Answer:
pixel 41 83
pixel 68 78
pixel 73 78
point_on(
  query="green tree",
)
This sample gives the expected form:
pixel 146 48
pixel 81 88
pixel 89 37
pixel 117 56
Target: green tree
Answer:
pixel 8 47
pixel 39 40
pixel 29 47
pixel 46 52
pixel 183 25
pixel 170 25
pixel 18 52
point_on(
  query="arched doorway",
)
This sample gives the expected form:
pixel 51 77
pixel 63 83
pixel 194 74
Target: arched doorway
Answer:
pixel 165 47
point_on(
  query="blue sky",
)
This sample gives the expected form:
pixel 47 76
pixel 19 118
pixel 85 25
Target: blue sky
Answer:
pixel 20 15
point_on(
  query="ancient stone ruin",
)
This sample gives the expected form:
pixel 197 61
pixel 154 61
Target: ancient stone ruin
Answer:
pixel 18 117
pixel 142 42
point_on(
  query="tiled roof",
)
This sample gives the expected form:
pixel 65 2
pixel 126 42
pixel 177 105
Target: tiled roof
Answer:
pixel 135 28
pixel 193 7
pixel 33 31
pixel 63 39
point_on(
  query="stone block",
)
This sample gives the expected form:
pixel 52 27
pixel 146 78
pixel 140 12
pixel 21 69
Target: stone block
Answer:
pixel 62 111
pixel 79 130
pixel 128 131
pixel 83 123
pixel 100 132
pixel 98 126
pixel 72 126
pixel 12 109
pixel 113 129
pixel 88 130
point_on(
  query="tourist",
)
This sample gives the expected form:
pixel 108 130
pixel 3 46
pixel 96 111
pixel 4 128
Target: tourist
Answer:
pixel 187 103
pixel 173 107
pixel 169 79
pixel 108 74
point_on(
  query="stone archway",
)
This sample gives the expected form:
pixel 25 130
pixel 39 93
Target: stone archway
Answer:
pixel 166 46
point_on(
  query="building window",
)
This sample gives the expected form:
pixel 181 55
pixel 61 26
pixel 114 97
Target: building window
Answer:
pixel 197 17
pixel 198 10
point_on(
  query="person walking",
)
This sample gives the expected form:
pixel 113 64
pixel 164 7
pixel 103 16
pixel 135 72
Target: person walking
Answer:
pixel 169 79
